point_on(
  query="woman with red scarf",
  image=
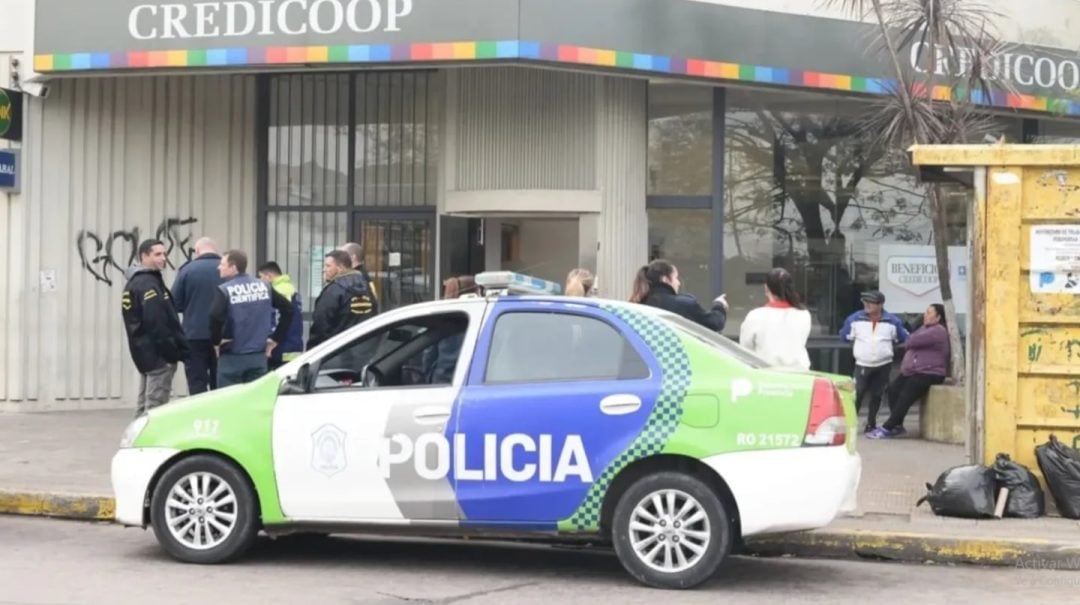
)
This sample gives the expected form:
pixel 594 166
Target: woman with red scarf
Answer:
pixel 778 331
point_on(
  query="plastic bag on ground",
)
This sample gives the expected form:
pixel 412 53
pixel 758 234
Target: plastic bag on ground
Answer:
pixel 1026 499
pixel 962 491
pixel 1060 465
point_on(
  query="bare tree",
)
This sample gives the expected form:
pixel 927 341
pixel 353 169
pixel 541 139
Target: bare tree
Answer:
pixel 937 101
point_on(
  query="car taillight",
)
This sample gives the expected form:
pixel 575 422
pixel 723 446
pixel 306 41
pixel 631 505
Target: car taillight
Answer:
pixel 827 425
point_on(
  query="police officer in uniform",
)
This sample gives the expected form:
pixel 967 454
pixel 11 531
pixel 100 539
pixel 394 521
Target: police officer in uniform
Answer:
pixel 241 319
pixel 345 301
pixel 155 336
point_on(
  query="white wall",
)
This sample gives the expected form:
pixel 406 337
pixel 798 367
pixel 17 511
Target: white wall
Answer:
pixel 549 248
pixel 522 140
pixel 1041 22
pixel 105 157
pixel 16 38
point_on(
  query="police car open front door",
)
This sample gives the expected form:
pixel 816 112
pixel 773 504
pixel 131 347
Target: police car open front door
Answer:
pixel 375 453
pixel 555 393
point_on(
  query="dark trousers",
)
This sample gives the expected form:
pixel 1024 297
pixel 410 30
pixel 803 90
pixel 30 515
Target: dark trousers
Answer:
pixel 238 369
pixel 904 392
pixel 201 367
pixel 870 383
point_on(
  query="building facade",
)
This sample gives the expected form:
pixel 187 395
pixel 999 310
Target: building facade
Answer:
pixel 454 136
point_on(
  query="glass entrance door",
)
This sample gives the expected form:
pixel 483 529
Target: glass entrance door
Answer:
pixel 399 258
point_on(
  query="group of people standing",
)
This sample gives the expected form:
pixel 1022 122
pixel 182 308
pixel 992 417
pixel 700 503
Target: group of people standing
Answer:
pixel 235 327
pixel 778 333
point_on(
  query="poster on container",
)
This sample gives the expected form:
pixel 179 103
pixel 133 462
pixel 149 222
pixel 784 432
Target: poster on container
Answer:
pixel 909 277
pixel 1055 259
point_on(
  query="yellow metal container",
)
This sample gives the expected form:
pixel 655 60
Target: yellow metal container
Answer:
pixel 1024 329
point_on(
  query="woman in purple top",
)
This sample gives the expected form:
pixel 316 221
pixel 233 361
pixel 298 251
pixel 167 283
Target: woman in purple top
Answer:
pixel 926 362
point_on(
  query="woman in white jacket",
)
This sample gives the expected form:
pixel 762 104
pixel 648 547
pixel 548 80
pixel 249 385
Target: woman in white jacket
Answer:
pixel 778 331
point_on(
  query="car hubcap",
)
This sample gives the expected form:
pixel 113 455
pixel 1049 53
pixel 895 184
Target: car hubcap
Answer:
pixel 669 531
pixel 201 511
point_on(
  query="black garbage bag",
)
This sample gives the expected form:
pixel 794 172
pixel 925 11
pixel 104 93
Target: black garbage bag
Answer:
pixel 962 491
pixel 1060 465
pixel 1026 499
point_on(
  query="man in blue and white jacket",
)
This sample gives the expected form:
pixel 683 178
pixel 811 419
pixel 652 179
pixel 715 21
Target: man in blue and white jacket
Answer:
pixel 875 333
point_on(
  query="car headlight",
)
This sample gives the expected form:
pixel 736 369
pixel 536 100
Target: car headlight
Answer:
pixel 133 430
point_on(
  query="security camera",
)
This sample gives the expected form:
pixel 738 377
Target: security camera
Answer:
pixel 36 89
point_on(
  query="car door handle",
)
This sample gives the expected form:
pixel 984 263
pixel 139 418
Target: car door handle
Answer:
pixel 619 405
pixel 431 415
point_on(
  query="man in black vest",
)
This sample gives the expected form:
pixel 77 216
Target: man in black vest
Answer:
pixel 345 301
pixel 356 256
pixel 155 336
pixel 241 317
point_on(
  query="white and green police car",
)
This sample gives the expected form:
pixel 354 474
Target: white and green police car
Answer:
pixel 556 418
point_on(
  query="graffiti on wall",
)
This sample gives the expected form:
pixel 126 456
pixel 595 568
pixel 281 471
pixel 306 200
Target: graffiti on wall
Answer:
pixel 106 255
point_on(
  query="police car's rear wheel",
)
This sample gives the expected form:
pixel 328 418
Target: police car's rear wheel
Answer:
pixel 203 511
pixel 671 531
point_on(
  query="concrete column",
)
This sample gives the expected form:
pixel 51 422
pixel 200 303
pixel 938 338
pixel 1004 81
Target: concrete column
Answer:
pixel 622 165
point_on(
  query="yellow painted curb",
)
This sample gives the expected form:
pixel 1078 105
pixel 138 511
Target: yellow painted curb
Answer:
pixel 919 547
pixel 89 508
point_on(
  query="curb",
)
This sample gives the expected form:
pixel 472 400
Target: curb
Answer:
pixel 854 544
pixel 62 506
pixel 920 548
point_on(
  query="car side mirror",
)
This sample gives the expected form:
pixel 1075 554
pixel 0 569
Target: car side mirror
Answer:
pixel 304 382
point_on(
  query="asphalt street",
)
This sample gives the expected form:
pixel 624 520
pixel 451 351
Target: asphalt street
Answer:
pixel 66 563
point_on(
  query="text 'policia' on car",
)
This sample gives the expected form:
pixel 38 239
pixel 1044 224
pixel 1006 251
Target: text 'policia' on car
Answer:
pixel 562 418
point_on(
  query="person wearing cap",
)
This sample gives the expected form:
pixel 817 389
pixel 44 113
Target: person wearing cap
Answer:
pixel 874 334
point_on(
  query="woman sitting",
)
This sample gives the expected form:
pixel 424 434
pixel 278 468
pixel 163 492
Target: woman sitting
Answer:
pixel 926 363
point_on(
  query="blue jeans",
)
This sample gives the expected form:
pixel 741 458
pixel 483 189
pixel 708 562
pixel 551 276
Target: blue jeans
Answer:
pixel 238 369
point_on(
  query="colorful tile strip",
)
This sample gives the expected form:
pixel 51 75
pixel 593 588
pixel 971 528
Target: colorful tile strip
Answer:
pixel 517 49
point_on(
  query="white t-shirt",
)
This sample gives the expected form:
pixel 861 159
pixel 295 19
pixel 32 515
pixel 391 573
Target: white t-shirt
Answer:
pixel 778 335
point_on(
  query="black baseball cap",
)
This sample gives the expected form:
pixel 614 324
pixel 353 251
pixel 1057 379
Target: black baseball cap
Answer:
pixel 873 296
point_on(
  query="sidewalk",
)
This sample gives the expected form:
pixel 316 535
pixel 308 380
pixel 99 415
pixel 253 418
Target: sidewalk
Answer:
pixel 58 465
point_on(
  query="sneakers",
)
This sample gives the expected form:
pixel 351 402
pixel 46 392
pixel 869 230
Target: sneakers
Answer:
pixel 884 433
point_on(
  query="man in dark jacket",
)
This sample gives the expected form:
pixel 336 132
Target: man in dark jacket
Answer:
pixel 241 320
pixel 270 273
pixel 155 336
pixel 345 301
pixel 356 258
pixel 193 291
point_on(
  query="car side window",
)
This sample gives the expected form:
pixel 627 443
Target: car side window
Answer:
pixel 551 346
pixel 417 352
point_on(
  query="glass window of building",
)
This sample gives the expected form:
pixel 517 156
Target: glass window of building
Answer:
pixel 352 158
pixel 680 139
pixel 1058 132
pixel 680 181
pixel 806 189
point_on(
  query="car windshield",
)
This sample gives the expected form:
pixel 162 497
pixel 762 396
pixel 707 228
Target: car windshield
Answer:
pixel 717 341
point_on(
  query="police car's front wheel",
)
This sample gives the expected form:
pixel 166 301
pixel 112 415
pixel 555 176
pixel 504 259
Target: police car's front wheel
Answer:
pixel 204 511
pixel 671 531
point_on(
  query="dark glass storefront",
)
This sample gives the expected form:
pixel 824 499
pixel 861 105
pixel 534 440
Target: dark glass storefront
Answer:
pixel 759 178
pixel 797 185
pixel 352 157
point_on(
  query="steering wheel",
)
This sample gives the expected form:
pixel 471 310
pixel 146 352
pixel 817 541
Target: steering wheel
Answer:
pixel 372 376
pixel 412 375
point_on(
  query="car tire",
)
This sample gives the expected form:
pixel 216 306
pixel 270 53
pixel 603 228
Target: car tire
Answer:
pixel 201 482
pixel 696 527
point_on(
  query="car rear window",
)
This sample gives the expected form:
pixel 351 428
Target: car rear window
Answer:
pixel 716 341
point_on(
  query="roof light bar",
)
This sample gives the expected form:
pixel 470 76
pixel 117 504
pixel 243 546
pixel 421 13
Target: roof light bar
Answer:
pixel 508 282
